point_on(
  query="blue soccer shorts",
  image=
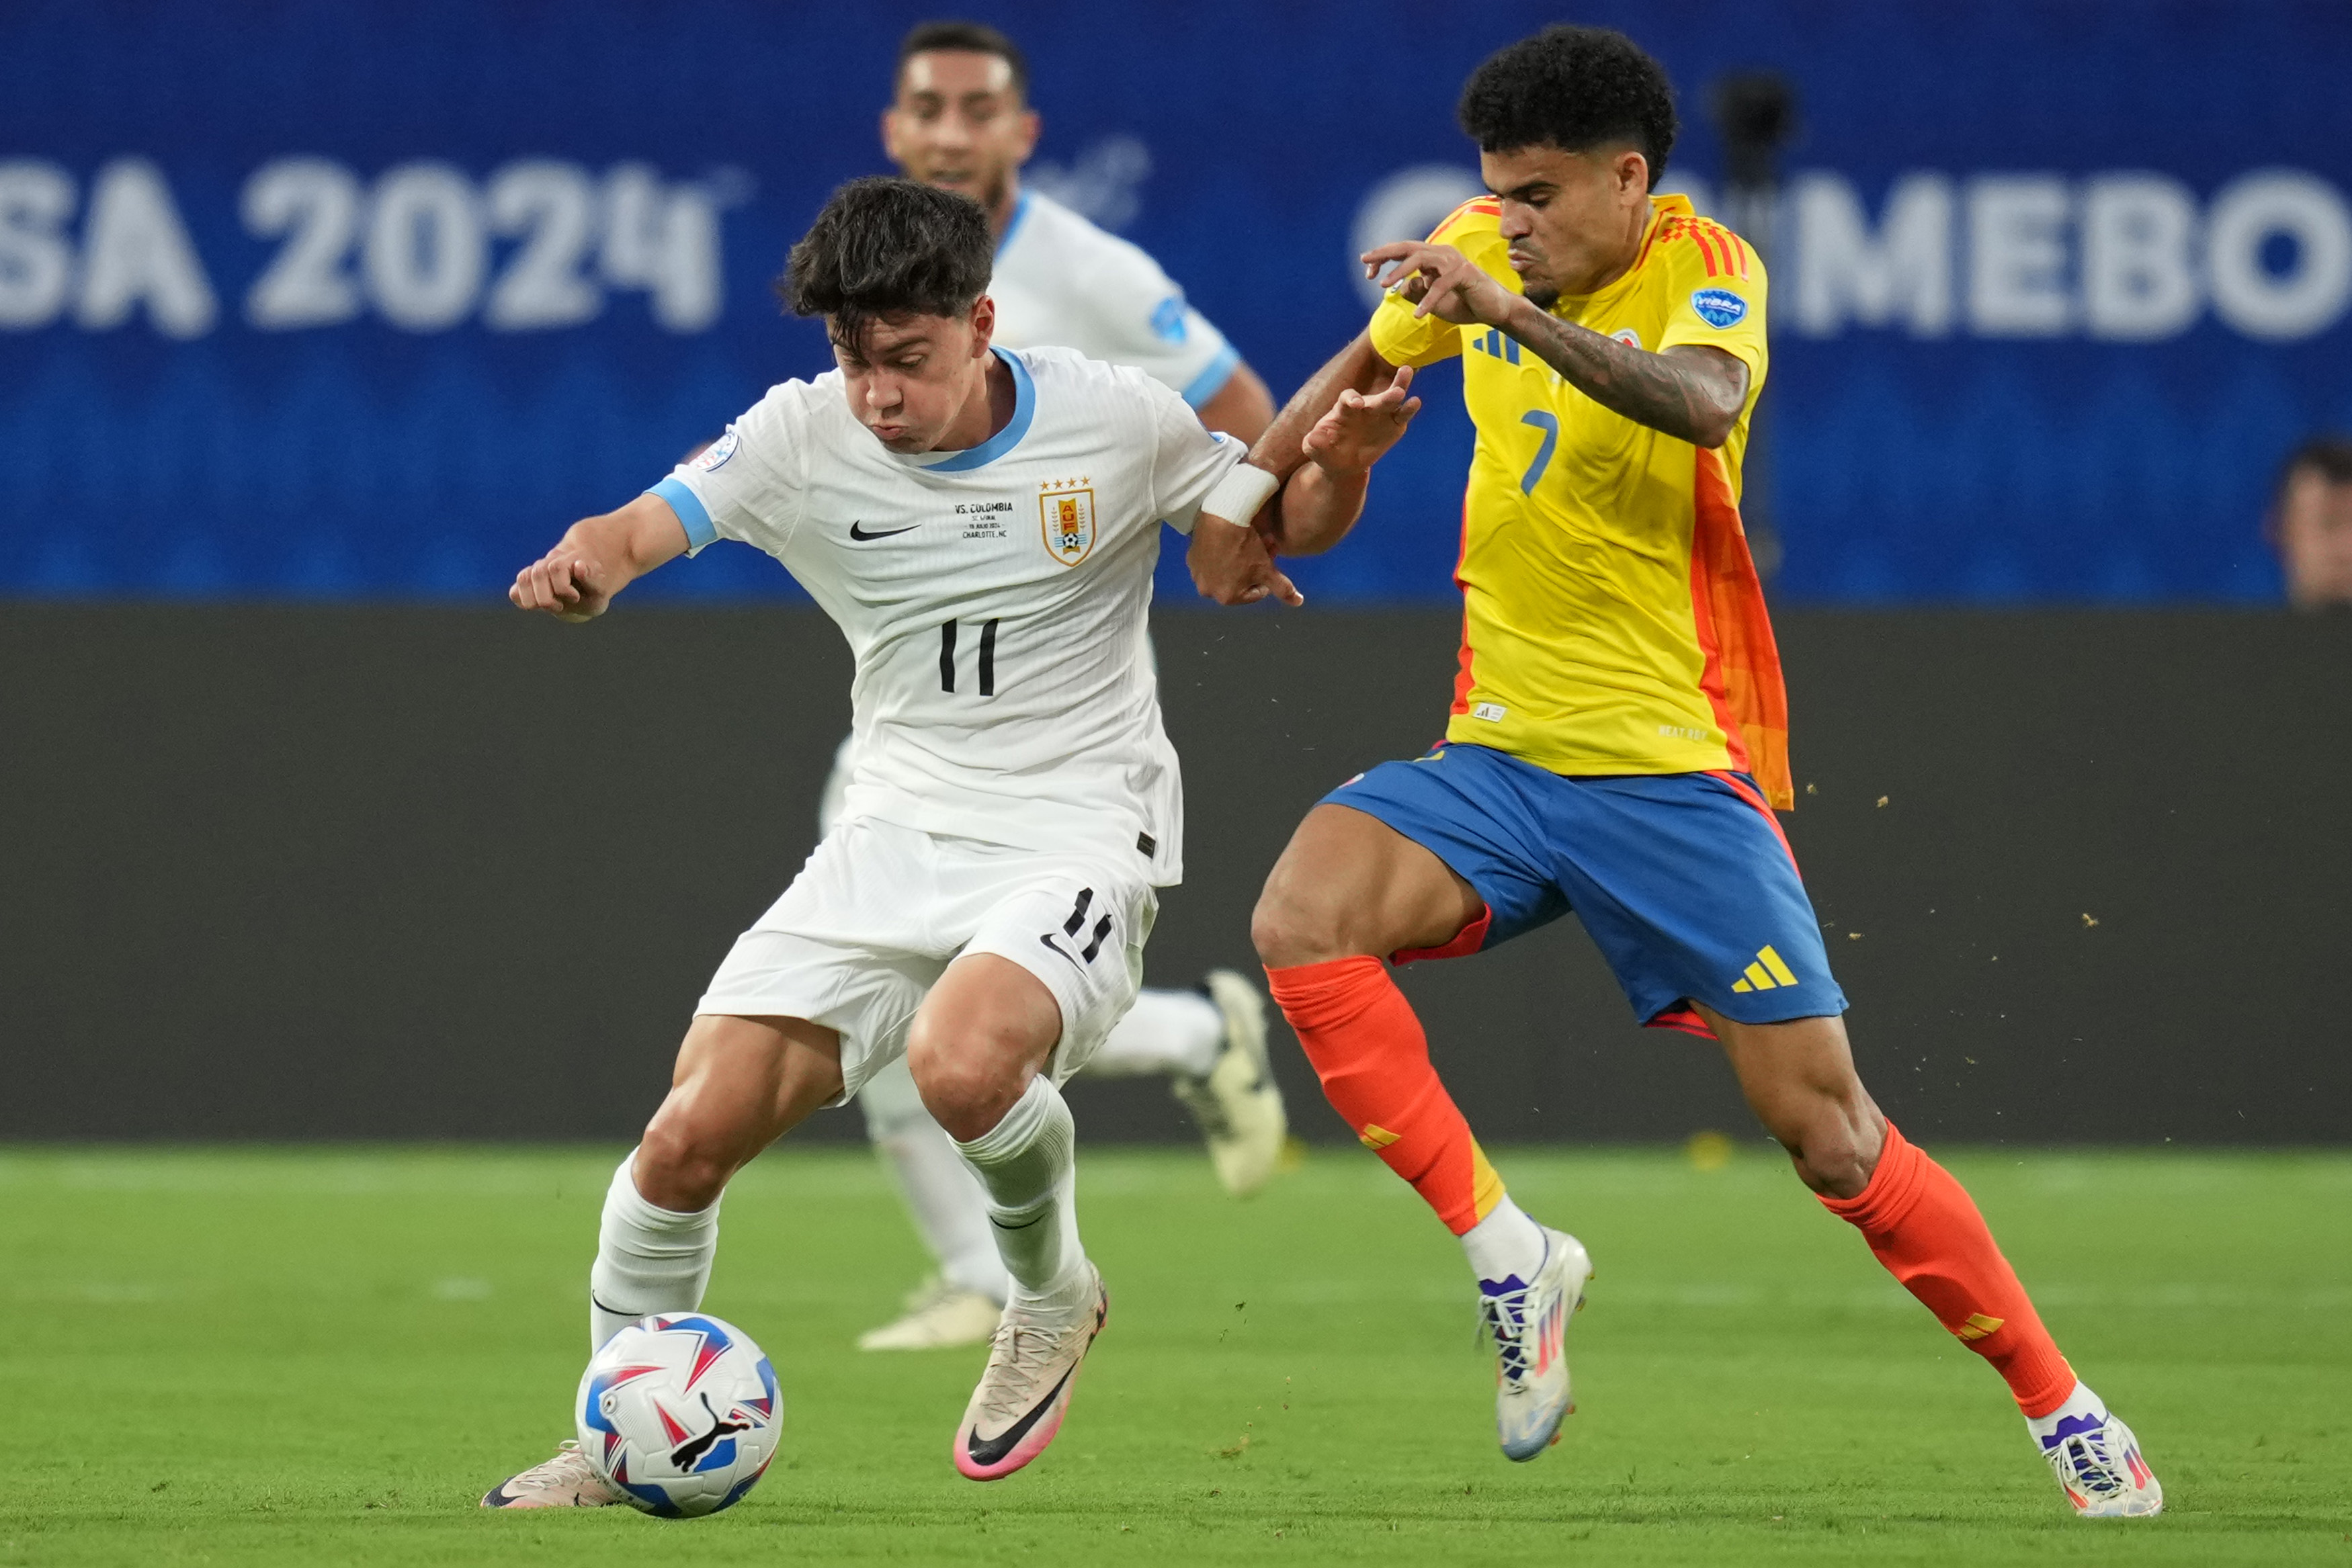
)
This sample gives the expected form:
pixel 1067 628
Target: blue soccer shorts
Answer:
pixel 1683 880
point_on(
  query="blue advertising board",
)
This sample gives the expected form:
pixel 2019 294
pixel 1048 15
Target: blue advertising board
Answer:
pixel 362 299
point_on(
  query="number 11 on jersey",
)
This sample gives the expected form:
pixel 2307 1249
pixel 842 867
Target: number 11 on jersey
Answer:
pixel 987 656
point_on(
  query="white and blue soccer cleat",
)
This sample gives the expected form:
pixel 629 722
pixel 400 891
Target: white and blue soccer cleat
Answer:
pixel 2096 1459
pixel 1527 1322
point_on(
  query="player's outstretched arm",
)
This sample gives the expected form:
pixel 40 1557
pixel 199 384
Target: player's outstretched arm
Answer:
pixel 1689 390
pixel 1359 369
pixel 1235 565
pixel 1243 407
pixel 1326 495
pixel 1356 368
pixel 597 558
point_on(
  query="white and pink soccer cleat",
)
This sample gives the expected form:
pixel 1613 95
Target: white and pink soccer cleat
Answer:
pixel 1032 1366
pixel 568 1481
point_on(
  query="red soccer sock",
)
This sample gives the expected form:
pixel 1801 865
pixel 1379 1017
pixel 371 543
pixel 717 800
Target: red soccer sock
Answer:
pixel 1922 1225
pixel 1369 1049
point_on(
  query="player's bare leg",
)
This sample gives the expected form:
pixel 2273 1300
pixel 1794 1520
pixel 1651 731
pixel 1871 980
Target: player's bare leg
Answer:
pixel 977 1049
pixel 1348 891
pixel 739 1083
pixel 1800 1080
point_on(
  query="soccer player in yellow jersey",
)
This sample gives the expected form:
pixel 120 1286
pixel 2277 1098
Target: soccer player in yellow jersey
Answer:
pixel 1618 739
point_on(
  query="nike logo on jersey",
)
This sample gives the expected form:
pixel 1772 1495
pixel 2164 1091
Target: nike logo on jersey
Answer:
pixel 858 532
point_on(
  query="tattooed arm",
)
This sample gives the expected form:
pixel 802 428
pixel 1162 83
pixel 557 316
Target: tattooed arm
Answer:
pixel 1690 392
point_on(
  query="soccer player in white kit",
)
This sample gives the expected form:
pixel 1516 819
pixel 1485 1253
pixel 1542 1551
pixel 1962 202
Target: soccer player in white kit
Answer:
pixel 983 525
pixel 960 120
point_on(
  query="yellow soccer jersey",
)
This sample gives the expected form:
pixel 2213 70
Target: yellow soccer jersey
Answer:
pixel 1612 623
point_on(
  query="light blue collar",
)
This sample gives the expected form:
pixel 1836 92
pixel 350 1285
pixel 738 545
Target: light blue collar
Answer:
pixel 1024 408
pixel 1020 216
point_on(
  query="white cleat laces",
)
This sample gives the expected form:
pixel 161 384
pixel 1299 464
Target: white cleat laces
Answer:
pixel 1528 1323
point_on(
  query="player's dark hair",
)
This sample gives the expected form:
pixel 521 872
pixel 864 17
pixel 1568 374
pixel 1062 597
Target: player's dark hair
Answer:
pixel 1574 87
pixel 2329 457
pixel 887 247
pixel 966 38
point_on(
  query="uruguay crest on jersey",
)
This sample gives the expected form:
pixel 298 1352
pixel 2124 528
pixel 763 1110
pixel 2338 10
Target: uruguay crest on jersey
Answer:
pixel 1066 512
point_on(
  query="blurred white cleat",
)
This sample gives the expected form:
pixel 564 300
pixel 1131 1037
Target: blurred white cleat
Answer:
pixel 938 1316
pixel 1238 1105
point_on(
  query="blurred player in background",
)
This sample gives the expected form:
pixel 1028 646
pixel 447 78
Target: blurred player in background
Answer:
pixel 1619 733
pixel 2311 524
pixel 960 121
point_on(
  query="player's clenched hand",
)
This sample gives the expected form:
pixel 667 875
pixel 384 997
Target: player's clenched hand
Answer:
pixel 1361 426
pixel 563 583
pixel 1232 565
pixel 1439 281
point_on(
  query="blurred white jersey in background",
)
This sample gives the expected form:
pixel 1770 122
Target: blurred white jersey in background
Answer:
pixel 1061 282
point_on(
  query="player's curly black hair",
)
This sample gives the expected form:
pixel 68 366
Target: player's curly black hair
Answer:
pixel 1575 89
pixel 885 247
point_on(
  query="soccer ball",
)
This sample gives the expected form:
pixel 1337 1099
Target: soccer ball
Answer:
pixel 680 1411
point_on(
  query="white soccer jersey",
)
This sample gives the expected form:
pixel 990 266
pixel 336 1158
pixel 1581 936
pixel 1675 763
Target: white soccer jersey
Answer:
pixel 1060 282
pixel 994 599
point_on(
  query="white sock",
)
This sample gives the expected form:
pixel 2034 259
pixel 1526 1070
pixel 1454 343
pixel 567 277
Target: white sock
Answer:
pixel 1505 1244
pixel 648 1259
pixel 947 1202
pixel 1164 1032
pixel 1028 1162
pixel 2079 1404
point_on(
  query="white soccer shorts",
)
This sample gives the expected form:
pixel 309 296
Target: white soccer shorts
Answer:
pixel 879 912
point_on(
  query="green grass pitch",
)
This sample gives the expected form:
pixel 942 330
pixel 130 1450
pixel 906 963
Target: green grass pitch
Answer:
pixel 309 1357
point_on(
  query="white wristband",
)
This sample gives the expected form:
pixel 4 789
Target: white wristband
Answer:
pixel 1237 496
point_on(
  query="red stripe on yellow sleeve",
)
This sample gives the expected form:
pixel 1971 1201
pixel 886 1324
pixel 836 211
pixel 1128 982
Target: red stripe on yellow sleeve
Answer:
pixel 1735 250
pixel 1706 252
pixel 1465 676
pixel 1721 245
pixel 1741 670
